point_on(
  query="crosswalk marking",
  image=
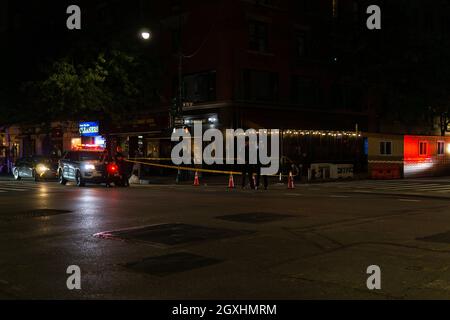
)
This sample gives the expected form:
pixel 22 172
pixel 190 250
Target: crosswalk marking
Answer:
pixel 408 200
pixel 13 189
pixel 8 186
pixel 401 185
pixel 414 187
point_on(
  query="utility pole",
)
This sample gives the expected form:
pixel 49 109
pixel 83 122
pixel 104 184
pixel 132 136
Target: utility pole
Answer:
pixel 177 107
pixel 180 66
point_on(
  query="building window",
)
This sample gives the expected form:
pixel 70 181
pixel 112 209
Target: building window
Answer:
pixel 386 148
pixel 260 86
pixel 300 45
pixel 305 91
pixel 423 148
pixel 335 5
pixel 175 33
pixel 441 148
pixel 200 87
pixel 347 96
pixel 259 36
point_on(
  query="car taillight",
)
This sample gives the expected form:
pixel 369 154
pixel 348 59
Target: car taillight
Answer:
pixel 112 168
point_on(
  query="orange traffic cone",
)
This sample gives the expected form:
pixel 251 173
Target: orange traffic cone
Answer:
pixel 231 182
pixel 291 181
pixel 196 180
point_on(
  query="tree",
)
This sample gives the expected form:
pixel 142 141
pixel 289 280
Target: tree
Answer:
pixel 407 61
pixel 111 87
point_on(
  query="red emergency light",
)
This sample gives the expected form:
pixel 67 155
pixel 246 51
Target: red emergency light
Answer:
pixel 112 168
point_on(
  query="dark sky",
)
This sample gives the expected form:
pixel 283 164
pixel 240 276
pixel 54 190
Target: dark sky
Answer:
pixel 38 34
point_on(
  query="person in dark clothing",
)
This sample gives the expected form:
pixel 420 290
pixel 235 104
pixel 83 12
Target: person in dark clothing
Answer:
pixel 119 158
pixel 295 171
pixel 105 160
pixel 247 169
pixel 305 166
pixel 258 177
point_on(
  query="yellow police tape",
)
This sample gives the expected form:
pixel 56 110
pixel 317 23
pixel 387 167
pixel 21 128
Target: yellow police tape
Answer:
pixel 152 159
pixel 165 166
pixel 184 168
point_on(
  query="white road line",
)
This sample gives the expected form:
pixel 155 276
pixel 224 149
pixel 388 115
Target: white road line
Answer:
pixel 28 186
pixel 394 185
pixel 13 189
pixel 412 187
pixel 402 186
pixel 435 189
pixel 14 185
pixel 442 191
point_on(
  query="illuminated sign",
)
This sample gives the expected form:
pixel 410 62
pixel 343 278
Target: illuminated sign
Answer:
pixel 89 129
pixel 100 141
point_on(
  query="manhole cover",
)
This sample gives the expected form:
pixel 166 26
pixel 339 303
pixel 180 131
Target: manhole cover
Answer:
pixel 255 217
pixel 171 263
pixel 37 213
pixel 440 237
pixel 173 233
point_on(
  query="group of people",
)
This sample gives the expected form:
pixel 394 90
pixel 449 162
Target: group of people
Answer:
pixel 299 172
pixel 250 171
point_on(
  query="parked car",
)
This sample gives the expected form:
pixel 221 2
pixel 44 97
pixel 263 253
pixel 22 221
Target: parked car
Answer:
pixel 35 167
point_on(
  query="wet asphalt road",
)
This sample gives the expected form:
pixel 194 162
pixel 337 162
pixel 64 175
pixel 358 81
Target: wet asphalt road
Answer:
pixel 212 243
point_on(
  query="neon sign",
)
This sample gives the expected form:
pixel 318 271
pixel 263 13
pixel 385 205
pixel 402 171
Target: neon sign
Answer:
pixel 89 129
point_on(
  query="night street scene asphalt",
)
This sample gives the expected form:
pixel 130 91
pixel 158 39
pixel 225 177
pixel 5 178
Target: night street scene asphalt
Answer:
pixel 241 150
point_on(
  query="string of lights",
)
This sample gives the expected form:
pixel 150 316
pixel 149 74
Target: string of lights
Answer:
pixel 288 133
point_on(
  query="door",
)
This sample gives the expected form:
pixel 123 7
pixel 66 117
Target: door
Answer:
pixel 19 163
pixel 65 165
pixel 25 170
pixel 71 165
pixel 29 167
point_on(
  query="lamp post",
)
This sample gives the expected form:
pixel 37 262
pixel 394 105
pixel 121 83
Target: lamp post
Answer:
pixel 180 67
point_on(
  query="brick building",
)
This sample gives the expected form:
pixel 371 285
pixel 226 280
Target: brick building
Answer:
pixel 270 64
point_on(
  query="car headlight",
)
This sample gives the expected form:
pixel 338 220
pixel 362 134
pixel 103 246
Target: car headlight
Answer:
pixel 42 168
pixel 89 167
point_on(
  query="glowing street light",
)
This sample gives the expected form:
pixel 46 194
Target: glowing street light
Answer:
pixel 146 35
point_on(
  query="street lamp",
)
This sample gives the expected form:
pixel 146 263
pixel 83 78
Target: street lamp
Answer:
pixel 146 35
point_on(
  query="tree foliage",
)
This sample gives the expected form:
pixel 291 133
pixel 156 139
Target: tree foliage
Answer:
pixel 110 87
pixel 407 61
